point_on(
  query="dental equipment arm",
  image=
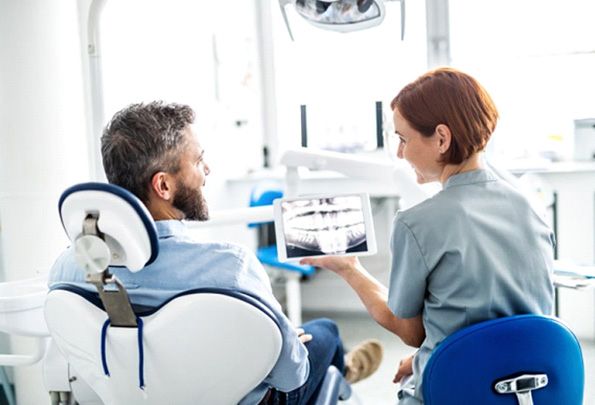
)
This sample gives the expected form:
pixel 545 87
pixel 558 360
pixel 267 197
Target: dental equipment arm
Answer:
pixel 384 174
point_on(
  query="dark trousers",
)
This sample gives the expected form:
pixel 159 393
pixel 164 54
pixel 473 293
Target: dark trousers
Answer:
pixel 324 349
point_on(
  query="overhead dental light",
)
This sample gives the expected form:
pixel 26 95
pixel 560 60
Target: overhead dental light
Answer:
pixel 341 15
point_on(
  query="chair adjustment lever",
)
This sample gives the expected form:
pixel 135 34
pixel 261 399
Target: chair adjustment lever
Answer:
pixel 522 386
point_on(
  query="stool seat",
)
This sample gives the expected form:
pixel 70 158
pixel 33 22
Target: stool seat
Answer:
pixel 476 364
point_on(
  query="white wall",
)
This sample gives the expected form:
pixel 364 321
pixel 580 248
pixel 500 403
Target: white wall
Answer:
pixel 42 143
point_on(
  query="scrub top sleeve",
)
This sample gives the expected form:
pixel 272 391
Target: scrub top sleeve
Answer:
pixel 409 272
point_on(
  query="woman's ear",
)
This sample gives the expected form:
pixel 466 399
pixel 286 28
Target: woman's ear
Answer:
pixel 162 186
pixel 444 138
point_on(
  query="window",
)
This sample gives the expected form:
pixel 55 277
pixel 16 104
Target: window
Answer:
pixel 340 76
pixel 536 58
pixel 191 52
pixel 201 54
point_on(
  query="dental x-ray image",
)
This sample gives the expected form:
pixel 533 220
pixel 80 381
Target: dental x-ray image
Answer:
pixel 324 226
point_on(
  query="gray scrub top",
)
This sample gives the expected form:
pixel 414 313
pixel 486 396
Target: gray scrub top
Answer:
pixel 475 251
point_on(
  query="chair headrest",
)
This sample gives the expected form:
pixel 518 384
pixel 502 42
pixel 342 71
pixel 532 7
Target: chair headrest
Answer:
pixel 130 233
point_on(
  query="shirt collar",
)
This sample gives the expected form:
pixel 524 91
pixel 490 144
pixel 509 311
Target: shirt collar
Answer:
pixel 170 227
pixel 472 177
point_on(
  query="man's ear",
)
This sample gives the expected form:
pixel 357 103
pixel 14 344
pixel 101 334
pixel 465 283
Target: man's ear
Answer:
pixel 162 186
pixel 444 138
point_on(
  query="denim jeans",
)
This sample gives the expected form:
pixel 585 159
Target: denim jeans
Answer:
pixel 324 349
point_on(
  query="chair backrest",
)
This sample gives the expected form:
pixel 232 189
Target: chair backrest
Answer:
pixel 466 366
pixel 204 346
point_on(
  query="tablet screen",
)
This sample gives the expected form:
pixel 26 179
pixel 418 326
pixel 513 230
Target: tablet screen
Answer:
pixel 324 225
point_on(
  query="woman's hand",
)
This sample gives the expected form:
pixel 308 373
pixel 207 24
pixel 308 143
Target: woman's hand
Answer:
pixel 405 369
pixel 337 264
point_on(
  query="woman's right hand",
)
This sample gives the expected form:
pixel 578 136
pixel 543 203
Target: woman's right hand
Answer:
pixel 337 264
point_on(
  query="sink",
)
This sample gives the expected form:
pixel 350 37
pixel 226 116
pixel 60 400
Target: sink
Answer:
pixel 21 307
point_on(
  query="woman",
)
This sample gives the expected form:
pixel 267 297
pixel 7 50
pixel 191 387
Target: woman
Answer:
pixel 475 251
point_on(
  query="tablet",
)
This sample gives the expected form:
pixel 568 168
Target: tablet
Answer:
pixel 324 225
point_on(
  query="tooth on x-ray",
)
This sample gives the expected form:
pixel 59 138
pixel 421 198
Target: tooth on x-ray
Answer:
pixel 329 225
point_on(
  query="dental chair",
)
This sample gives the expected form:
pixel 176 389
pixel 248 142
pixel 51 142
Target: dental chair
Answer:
pixel 523 359
pixel 206 345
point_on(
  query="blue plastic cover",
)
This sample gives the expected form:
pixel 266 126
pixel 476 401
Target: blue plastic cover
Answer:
pixel 260 198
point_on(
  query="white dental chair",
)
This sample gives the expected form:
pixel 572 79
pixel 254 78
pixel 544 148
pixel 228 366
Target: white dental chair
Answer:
pixel 207 346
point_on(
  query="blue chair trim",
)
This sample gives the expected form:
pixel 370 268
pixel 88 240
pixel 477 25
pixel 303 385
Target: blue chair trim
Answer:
pixel 106 325
pixel 141 352
pixel 127 196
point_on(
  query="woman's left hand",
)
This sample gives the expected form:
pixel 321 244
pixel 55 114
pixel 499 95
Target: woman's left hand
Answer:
pixel 405 369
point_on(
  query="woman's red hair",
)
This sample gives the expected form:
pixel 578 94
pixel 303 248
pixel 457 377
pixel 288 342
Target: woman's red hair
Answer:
pixel 453 98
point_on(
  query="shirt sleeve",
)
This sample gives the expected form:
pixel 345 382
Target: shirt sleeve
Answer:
pixel 409 272
pixel 66 270
pixel 292 368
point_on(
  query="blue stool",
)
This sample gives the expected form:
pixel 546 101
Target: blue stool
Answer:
pixel 517 359
pixel 290 273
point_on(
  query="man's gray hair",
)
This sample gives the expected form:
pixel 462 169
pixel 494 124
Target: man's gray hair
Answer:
pixel 141 140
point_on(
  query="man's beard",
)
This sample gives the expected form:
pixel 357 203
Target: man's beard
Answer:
pixel 191 203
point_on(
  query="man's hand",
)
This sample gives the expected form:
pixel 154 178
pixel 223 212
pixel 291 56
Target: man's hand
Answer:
pixel 337 264
pixel 303 336
pixel 405 369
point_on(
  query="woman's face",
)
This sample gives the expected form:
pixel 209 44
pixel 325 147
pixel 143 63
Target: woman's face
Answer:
pixel 421 152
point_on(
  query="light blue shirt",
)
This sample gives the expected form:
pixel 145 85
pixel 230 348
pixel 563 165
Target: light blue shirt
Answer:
pixel 183 264
pixel 473 252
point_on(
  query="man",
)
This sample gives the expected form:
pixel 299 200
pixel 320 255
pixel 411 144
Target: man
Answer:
pixel 151 150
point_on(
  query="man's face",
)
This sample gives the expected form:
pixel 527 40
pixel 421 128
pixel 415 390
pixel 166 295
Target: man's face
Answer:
pixel 190 180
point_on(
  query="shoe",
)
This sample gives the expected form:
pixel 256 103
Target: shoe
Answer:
pixel 363 360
